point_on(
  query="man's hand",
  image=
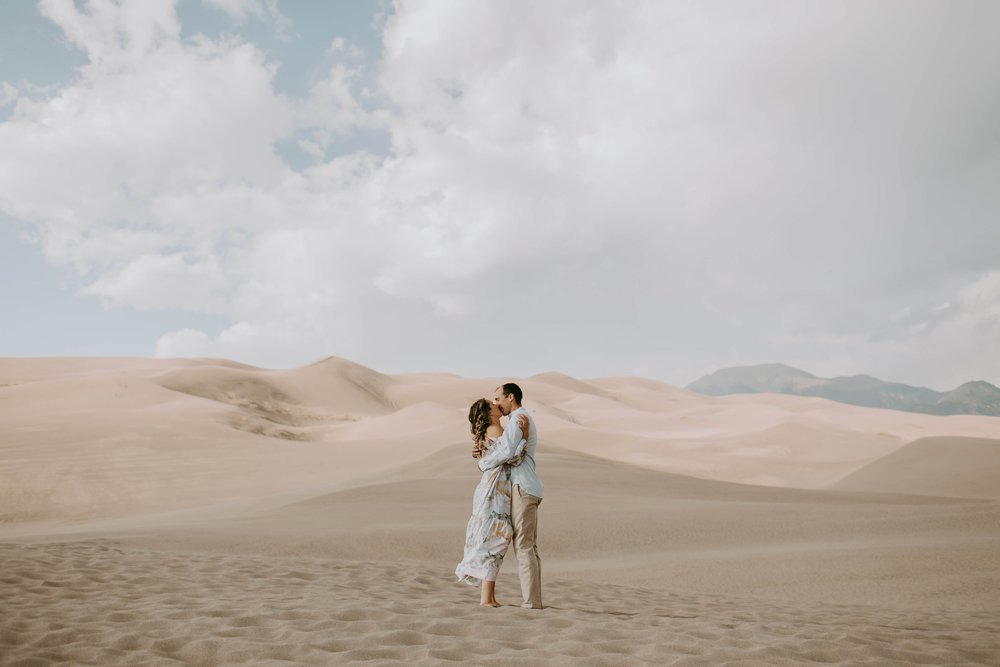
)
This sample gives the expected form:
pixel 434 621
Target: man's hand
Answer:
pixel 522 421
pixel 476 452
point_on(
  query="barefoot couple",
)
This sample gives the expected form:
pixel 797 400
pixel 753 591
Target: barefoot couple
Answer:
pixel 505 504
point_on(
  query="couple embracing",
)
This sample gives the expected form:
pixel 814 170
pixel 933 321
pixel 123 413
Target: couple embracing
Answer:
pixel 505 503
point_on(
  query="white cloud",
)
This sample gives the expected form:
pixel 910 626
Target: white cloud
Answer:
pixel 184 343
pixel 238 9
pixel 242 10
pixel 981 299
pixel 242 340
pixel 113 33
pixel 164 281
pixel 8 94
pixel 647 188
pixel 332 108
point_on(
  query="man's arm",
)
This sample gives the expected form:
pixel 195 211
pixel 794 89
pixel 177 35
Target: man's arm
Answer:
pixel 505 448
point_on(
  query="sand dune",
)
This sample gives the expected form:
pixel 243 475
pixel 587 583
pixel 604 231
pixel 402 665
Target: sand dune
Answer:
pixel 641 567
pixel 207 512
pixel 568 385
pixel 331 389
pixel 156 436
pixel 944 466
pixel 87 437
pixel 629 525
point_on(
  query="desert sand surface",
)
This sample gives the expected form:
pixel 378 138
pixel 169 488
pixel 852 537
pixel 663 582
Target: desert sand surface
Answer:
pixel 204 512
pixel 939 466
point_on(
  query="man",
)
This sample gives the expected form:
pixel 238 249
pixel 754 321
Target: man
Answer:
pixel 526 492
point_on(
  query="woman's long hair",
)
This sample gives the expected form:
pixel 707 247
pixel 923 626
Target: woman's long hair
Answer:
pixel 479 420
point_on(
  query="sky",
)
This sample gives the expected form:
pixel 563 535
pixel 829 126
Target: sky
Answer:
pixel 657 188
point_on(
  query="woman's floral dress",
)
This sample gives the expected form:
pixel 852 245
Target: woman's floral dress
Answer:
pixel 490 530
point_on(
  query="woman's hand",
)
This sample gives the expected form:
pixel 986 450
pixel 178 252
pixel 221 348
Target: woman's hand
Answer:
pixel 522 421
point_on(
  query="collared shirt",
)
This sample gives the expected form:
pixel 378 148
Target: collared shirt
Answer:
pixel 505 448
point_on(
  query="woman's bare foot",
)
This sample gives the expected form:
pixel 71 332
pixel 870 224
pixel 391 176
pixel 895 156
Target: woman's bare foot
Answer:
pixel 487 598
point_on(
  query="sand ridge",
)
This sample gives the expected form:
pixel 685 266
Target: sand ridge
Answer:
pixel 208 512
pixel 944 466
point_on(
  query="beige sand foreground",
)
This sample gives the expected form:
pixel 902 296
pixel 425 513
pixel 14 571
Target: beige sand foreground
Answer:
pixel 204 512
pixel 96 603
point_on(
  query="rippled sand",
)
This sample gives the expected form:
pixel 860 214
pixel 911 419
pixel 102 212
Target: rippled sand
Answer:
pixel 206 513
pixel 97 603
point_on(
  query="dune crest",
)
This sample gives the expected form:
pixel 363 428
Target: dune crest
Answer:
pixel 202 424
pixel 942 466
pixel 206 512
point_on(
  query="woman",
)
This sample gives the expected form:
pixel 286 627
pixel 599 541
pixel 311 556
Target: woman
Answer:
pixel 489 530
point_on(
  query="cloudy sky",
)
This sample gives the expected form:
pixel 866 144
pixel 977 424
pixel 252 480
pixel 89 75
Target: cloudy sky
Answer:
pixel 506 188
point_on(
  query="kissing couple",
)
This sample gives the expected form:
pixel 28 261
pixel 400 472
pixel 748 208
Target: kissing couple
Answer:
pixel 505 503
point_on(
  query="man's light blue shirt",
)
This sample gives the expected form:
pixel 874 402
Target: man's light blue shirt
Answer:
pixel 505 448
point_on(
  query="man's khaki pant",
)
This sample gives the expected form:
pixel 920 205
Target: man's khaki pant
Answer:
pixel 524 512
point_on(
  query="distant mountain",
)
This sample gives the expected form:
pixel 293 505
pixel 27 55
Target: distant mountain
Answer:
pixel 972 398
